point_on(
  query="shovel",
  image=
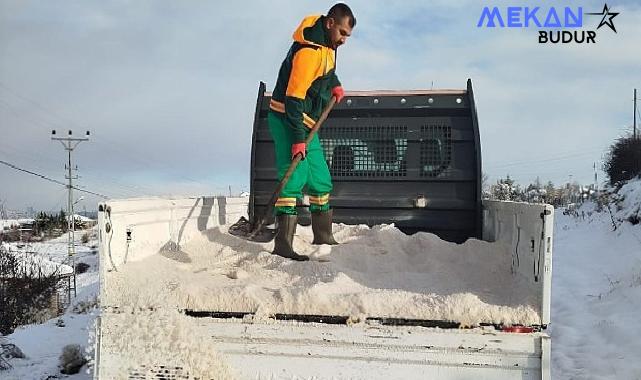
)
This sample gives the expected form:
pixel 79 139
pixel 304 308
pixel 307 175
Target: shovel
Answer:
pixel 258 231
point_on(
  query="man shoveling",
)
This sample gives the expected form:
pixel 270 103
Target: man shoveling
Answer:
pixel 306 82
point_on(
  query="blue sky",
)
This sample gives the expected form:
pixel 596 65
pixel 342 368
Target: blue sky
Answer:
pixel 168 88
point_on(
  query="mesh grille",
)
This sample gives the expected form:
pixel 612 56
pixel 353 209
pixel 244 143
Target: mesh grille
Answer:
pixel 436 150
pixel 376 151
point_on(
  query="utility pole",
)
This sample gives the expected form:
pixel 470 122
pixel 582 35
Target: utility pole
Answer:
pixel 635 113
pixel 70 143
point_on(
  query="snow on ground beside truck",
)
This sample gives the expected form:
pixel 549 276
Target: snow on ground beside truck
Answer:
pixel 42 343
pixel 596 292
pixel 377 272
pixel 628 203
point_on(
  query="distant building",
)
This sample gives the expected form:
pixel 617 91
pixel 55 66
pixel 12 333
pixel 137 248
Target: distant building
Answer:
pixel 26 223
pixel 8 225
pixel 83 221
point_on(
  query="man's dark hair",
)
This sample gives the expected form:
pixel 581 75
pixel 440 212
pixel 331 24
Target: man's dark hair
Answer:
pixel 340 10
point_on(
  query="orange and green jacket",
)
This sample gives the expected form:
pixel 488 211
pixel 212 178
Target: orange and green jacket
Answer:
pixel 306 77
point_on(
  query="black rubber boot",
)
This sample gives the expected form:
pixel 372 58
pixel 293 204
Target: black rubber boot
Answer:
pixel 322 227
pixel 283 242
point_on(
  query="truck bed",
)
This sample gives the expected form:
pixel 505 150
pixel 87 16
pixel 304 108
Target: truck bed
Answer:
pixel 249 349
pixel 380 300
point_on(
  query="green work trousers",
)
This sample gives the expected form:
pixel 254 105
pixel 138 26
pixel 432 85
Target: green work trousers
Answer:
pixel 312 172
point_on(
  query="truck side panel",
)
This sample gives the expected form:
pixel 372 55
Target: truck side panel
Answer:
pixel 527 229
pixel 293 350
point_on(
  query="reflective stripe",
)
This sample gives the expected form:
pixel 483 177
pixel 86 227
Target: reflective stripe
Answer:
pixel 308 121
pixel 277 106
pixel 284 202
pixel 319 200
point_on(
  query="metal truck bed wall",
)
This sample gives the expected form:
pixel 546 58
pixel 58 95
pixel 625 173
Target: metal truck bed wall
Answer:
pixel 528 230
pixel 131 230
pixel 292 350
pixel 387 149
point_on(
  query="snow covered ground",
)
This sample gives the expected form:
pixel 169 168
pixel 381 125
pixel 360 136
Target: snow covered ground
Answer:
pixel 596 292
pixel 43 343
pixel 596 298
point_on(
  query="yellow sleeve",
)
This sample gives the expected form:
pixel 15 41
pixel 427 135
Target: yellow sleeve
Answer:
pixel 306 67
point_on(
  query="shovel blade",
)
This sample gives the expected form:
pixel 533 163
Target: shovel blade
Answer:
pixel 244 229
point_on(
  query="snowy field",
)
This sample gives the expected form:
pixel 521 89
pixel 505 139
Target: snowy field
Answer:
pixel 596 295
pixel 43 343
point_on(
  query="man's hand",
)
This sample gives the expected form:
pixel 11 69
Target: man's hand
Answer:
pixel 338 93
pixel 298 148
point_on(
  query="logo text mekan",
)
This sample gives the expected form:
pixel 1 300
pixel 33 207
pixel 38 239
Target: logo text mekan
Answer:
pixel 537 17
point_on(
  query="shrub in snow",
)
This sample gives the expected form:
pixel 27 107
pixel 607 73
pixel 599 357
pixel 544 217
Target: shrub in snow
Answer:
pixel 83 307
pixel 505 190
pixel 82 267
pixel 623 161
pixel 85 238
pixel 623 202
pixel 7 352
pixel 4 364
pixel 11 235
pixel 71 359
pixel 27 292
pixel 11 351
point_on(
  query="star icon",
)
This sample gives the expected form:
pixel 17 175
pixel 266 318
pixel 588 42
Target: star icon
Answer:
pixel 607 17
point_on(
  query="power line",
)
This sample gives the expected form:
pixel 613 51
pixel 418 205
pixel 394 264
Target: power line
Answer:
pixel 546 160
pixel 65 121
pixel 557 156
pixel 33 118
pixel 41 176
pixel 33 159
pixel 32 173
pixel 114 185
pixel 142 160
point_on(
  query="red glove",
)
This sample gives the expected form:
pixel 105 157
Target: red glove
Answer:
pixel 298 148
pixel 338 93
